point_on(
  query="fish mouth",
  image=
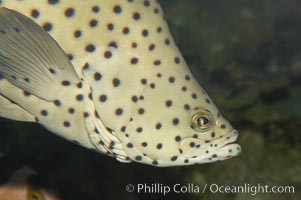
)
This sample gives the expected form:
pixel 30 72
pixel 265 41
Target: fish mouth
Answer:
pixel 216 150
pixel 228 139
pixel 224 147
pixel 228 147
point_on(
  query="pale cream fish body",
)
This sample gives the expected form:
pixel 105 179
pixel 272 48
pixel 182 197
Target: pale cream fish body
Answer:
pixel 127 92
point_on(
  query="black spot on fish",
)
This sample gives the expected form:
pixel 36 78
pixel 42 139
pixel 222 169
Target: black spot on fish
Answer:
pixel 117 9
pixel 123 129
pixel 167 41
pixel 35 13
pixel 171 79
pixel 57 102
pixel 157 62
pixel 86 66
pixel 116 82
pixel 139 130
pixel 145 33
pixel 53 2
pixel 27 94
pixel 159 29
pixel 97 76
pixel 134 99
pixel 158 126
pixel 191 144
pixel 70 56
pixel 52 71
pixel 110 26
pixel 151 47
pixel 103 98
pixel 155 162
pixel 178 138
pixel 186 107
pixel 93 23
pixel 141 111
pixel 168 103
pixel 136 16
pixel 17 29
pixel 126 30
pixel 113 44
pixel 174 158
pixel 79 85
pixel 95 9
pixel 77 33
pixel 27 80
pixel 134 45
pixel 175 121
pixel 146 3
pixel 69 12
pixel 86 114
pixel 118 111
pixel 177 60
pixel 44 113
pixel 187 77
pixel 134 61
pixel 143 81
pixel 71 110
pixel 65 83
pixel 207 101
pixel 138 158
pixel 79 97
pixel 67 124
pixel 194 96
pixel 108 54
pixel 90 48
pixel 130 145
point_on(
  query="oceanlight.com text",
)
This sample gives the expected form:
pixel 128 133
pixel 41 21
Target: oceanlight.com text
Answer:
pixel 159 188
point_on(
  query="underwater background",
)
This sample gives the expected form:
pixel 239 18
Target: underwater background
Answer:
pixel 247 56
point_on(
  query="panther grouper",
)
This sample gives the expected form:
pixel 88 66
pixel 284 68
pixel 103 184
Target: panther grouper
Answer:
pixel 107 75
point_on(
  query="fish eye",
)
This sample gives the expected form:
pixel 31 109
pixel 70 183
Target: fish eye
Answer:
pixel 35 196
pixel 201 121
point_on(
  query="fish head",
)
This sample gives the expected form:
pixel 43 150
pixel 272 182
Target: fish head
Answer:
pixel 212 138
pixel 161 116
pixel 145 94
pixel 179 125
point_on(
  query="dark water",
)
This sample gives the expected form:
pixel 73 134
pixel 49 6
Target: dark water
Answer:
pixel 247 56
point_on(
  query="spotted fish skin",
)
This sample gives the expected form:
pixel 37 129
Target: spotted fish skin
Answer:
pixel 133 96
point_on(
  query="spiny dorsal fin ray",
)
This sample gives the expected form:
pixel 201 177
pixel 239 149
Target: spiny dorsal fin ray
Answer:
pixel 30 58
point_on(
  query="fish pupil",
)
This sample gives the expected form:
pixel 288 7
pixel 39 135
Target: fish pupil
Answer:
pixel 203 121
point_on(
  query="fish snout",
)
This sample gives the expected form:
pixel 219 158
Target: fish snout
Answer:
pixel 202 151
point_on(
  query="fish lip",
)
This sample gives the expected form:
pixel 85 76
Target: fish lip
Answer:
pixel 225 142
pixel 232 136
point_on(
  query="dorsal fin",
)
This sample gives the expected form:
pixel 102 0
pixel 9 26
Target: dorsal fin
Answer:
pixel 30 58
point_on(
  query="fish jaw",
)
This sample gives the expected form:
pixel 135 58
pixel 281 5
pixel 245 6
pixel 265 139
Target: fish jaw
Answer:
pixel 206 152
